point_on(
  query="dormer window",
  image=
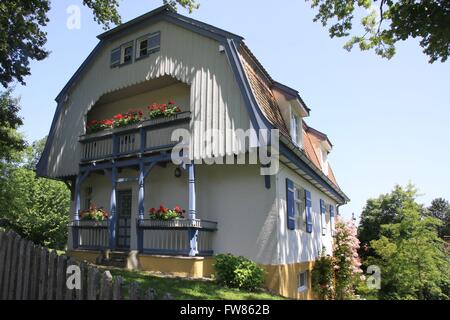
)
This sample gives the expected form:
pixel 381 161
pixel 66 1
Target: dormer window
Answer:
pixel 148 44
pixel 296 130
pixel 127 53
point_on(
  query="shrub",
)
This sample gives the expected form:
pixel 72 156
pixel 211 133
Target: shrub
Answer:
pixel 238 272
pixel 322 278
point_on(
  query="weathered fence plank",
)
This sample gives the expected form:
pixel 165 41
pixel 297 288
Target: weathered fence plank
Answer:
pixel 70 292
pixel 133 291
pixel 36 255
pixel 51 282
pixel 6 274
pixel 26 286
pixel 43 269
pixel 3 247
pixel 61 277
pixel 92 284
pixel 118 288
pixel 14 264
pixel 20 269
pixel 81 294
pixel 106 286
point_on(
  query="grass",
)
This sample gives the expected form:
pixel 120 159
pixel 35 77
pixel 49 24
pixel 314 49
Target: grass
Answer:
pixel 187 289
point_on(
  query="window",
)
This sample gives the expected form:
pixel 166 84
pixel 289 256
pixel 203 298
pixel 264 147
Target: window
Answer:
pixel 296 129
pixel 148 44
pixel 127 53
pixel 115 57
pixel 303 281
pixel 299 205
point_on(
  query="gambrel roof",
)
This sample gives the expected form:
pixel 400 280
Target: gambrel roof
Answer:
pixel 254 82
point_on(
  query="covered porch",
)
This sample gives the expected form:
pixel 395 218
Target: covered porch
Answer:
pixel 127 189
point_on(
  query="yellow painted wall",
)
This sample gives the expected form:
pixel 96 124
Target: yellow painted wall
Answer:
pixel 283 279
pixel 198 267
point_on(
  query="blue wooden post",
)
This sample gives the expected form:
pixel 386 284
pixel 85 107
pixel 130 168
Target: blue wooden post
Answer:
pixel 76 216
pixel 113 215
pixel 193 233
pixel 140 235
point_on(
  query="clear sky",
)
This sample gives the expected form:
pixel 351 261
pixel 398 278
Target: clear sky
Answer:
pixel 389 121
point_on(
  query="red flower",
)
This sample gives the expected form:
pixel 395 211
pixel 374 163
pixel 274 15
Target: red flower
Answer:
pixel 171 102
pixel 163 209
pixel 178 209
pixel 152 210
pixel 118 116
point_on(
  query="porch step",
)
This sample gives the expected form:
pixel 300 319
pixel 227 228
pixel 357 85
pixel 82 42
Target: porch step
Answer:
pixel 116 259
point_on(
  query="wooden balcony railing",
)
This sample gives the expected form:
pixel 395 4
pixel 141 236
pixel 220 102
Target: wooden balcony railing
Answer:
pixel 172 237
pixel 146 136
pixel 157 237
pixel 91 235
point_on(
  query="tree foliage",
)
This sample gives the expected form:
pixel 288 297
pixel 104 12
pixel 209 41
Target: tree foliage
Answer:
pixel 385 22
pixel 385 209
pixel 413 260
pixel 36 208
pixel 22 38
pixel 440 209
pixel 11 142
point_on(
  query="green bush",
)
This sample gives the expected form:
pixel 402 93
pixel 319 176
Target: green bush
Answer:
pixel 322 278
pixel 238 272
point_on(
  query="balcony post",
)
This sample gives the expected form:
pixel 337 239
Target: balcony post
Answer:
pixel 141 196
pixel 76 216
pixel 193 233
pixel 113 215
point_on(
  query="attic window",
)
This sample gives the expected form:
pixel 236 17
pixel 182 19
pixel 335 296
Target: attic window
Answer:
pixel 127 53
pixel 148 44
pixel 296 132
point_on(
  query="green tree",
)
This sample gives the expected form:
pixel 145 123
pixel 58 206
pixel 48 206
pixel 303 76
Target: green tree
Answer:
pixel 413 260
pixel 385 22
pixel 23 39
pixel 11 142
pixel 383 210
pixel 36 208
pixel 440 209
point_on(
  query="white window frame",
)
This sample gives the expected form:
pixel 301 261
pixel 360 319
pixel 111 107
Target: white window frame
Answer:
pixel 122 52
pixel 296 129
pixel 150 50
pixel 304 287
pixel 299 205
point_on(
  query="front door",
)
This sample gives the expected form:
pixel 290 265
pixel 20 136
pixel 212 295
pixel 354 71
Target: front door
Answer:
pixel 124 219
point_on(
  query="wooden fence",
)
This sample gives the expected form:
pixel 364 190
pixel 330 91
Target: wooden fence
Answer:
pixel 32 272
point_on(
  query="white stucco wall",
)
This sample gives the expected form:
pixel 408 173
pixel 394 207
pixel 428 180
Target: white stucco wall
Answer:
pixel 297 245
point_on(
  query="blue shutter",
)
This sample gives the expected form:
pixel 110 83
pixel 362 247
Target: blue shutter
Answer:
pixel 331 211
pixel 322 206
pixel 308 211
pixel 290 204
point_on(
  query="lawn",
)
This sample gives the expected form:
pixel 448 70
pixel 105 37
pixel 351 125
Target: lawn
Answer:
pixel 187 289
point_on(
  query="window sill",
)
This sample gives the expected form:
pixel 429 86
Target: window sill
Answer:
pixel 302 289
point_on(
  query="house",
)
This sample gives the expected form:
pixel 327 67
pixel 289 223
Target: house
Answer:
pixel 121 160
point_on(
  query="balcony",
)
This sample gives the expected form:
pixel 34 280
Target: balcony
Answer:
pixel 144 137
pixel 154 236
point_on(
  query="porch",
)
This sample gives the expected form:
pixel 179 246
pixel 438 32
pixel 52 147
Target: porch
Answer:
pixel 115 171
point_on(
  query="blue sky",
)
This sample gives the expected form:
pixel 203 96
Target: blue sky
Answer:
pixel 388 120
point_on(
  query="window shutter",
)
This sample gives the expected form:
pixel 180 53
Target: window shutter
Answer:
pixel 290 204
pixel 322 217
pixel 308 211
pixel 331 211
